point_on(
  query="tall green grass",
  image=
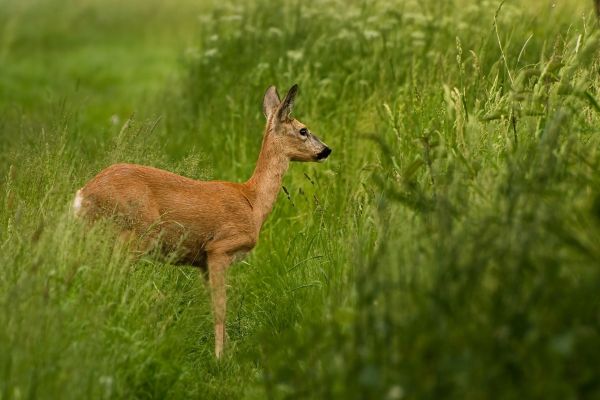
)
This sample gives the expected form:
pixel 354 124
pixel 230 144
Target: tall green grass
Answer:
pixel 449 248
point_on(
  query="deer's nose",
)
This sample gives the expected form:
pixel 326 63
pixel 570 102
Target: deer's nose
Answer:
pixel 324 153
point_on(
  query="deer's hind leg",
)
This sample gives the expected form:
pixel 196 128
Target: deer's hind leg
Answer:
pixel 129 241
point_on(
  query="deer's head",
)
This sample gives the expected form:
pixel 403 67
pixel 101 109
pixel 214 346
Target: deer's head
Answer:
pixel 290 136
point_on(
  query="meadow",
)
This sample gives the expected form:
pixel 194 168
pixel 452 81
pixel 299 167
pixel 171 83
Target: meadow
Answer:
pixel 449 248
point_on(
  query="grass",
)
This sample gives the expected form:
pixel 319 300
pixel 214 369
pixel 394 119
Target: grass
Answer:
pixel 449 248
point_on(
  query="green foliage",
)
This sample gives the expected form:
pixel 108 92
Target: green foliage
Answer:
pixel 449 248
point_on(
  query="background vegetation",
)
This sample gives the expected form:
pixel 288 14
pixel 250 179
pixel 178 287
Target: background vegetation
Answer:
pixel 450 247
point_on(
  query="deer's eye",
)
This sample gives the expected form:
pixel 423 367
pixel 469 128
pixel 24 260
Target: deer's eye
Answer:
pixel 303 131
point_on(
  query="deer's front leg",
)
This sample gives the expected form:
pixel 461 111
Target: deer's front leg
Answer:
pixel 217 268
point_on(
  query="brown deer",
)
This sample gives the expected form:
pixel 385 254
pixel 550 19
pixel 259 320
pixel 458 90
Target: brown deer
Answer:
pixel 203 223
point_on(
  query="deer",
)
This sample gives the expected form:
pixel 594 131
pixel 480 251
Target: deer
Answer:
pixel 207 224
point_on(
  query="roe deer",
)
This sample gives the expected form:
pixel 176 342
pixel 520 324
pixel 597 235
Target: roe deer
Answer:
pixel 203 223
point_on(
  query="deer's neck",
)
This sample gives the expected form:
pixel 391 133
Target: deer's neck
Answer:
pixel 266 180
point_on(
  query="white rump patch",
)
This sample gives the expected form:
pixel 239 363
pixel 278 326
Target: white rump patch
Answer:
pixel 77 203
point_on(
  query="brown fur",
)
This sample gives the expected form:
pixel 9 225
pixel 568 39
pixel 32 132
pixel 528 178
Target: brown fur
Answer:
pixel 202 223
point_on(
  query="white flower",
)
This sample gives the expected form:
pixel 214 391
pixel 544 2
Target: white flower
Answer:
pixel 231 18
pixel 211 53
pixel 345 34
pixel 295 55
pixel 370 34
pixel 274 32
pixel 262 66
pixel 395 392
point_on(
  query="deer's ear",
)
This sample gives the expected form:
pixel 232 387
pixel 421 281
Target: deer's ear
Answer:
pixel 270 101
pixel 287 104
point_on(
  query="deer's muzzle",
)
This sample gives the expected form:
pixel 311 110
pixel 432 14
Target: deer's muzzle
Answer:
pixel 324 153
